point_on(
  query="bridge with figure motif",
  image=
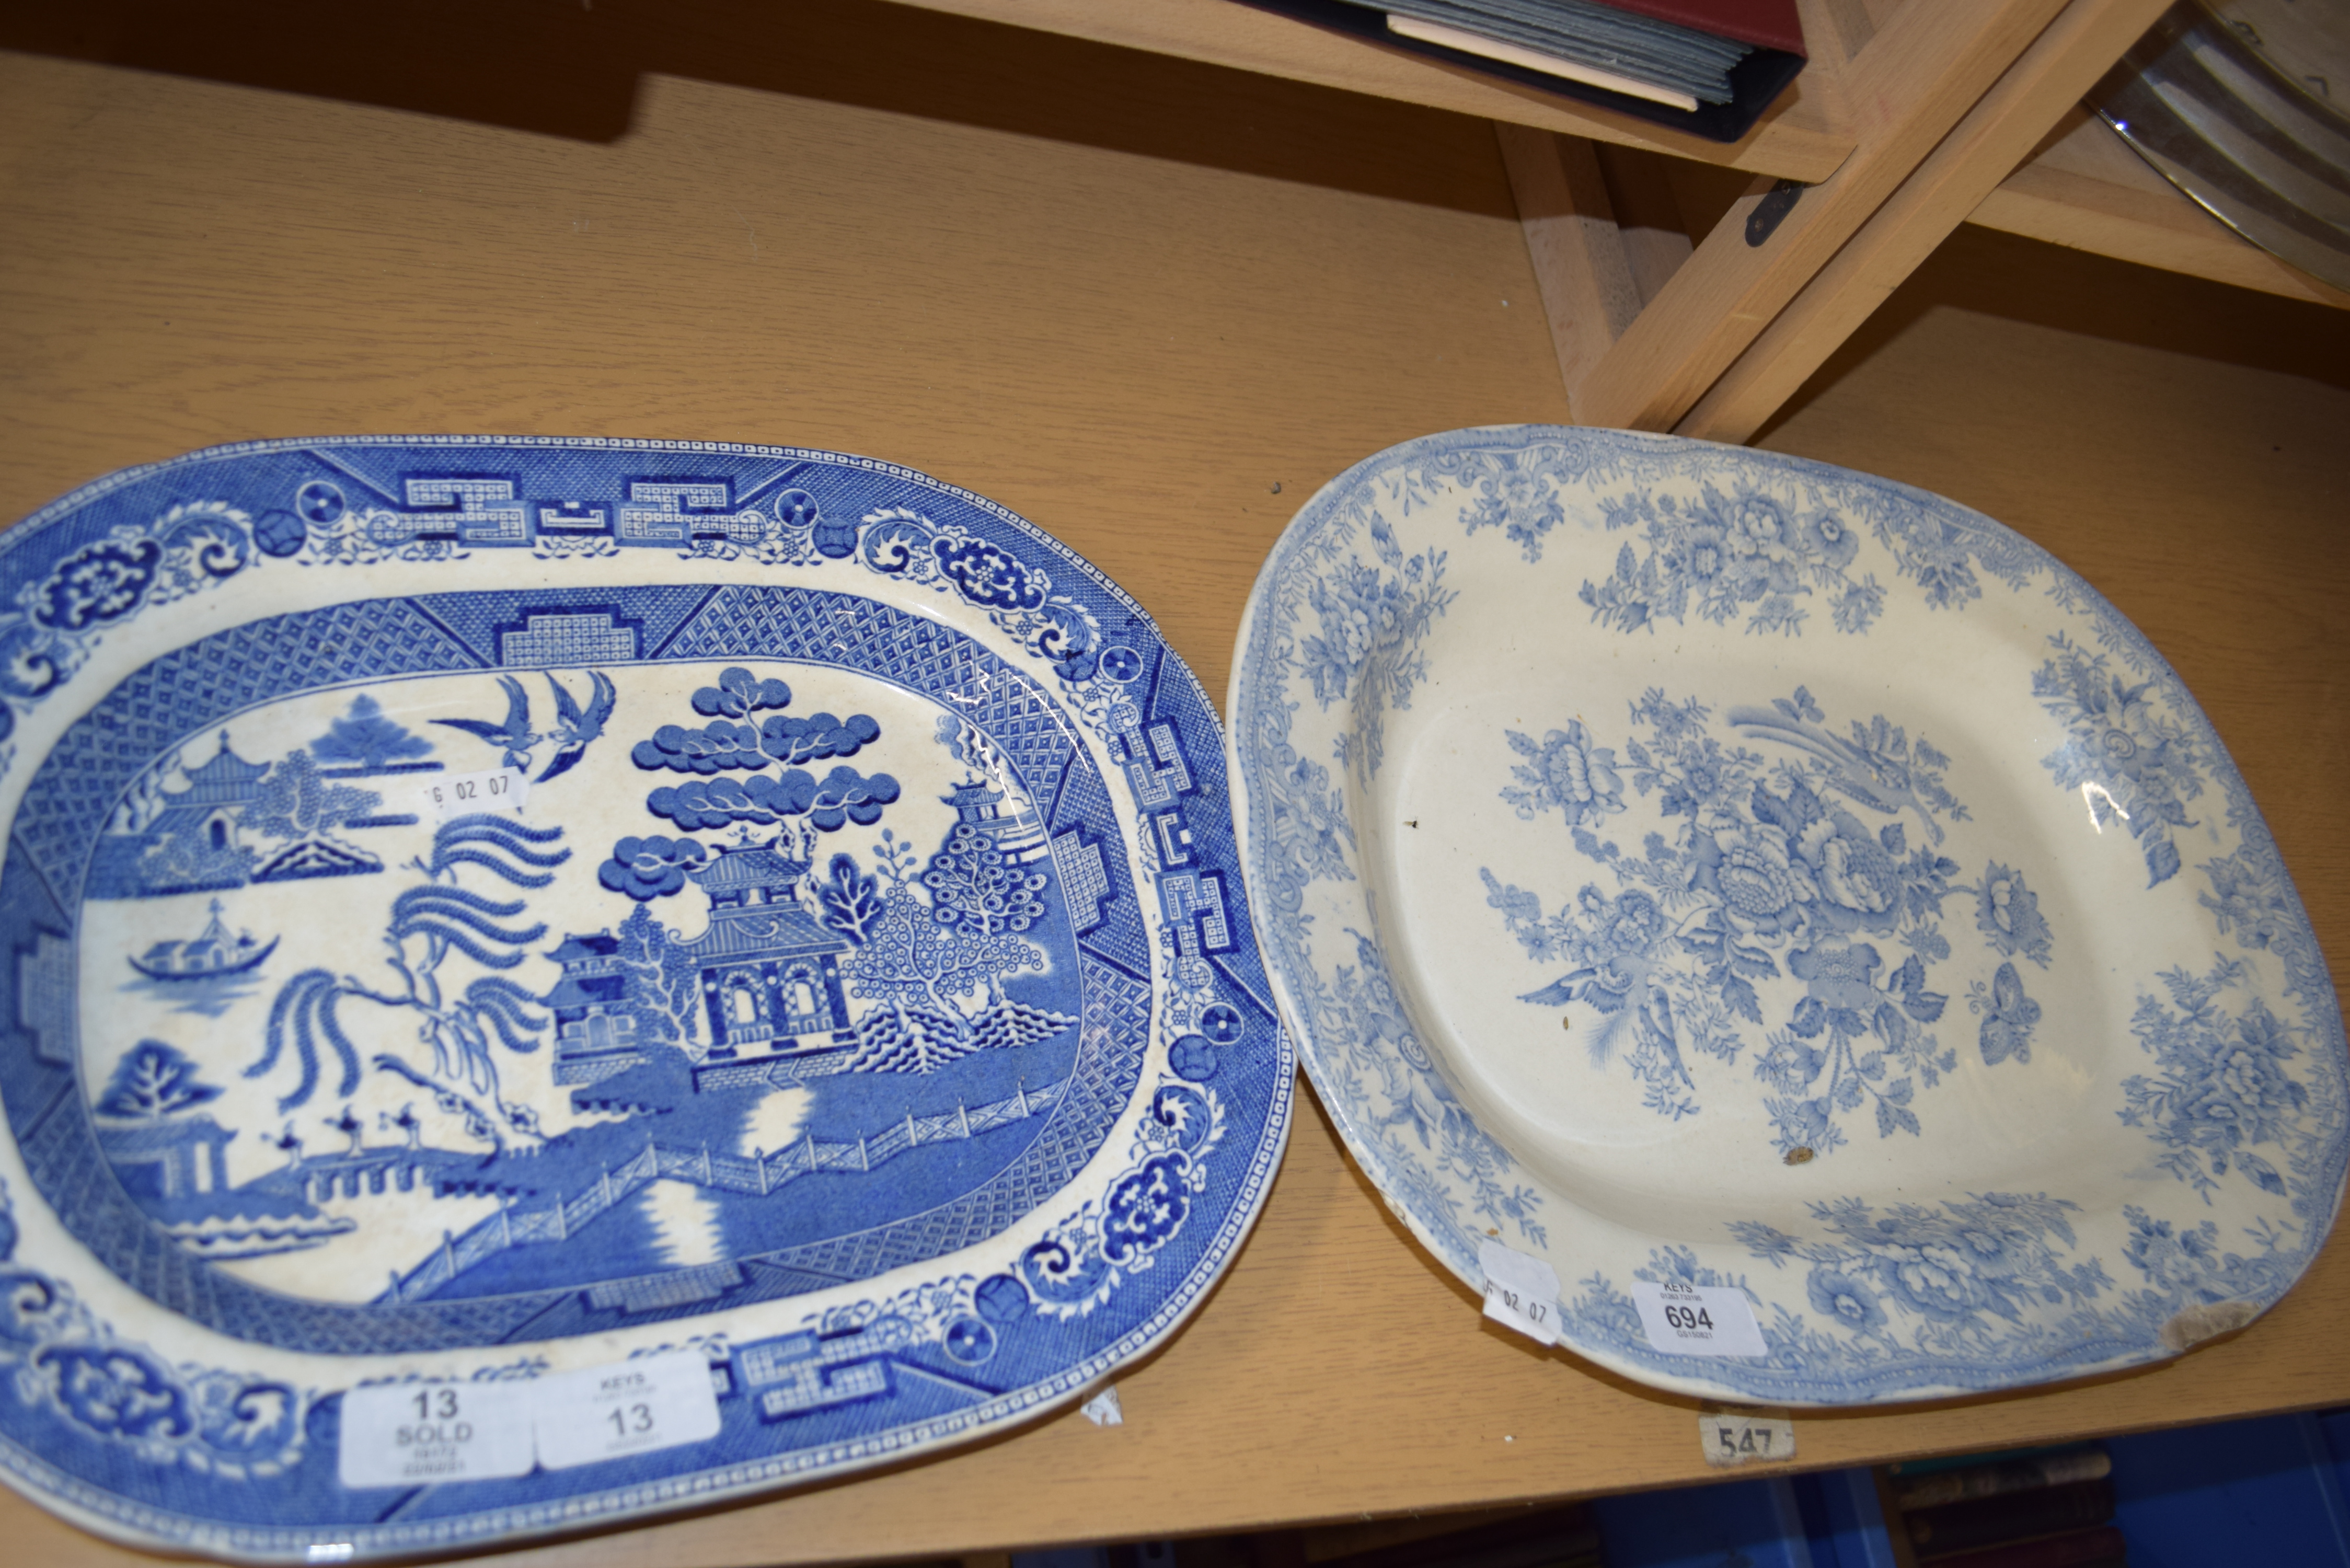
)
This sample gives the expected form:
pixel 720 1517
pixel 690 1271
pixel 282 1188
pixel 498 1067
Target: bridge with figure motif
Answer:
pixel 757 1174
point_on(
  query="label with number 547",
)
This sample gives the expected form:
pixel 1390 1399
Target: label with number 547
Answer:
pixel 627 1408
pixel 1728 1440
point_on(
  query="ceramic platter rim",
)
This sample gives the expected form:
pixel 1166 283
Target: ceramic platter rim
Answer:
pixel 1892 1301
pixel 1156 1146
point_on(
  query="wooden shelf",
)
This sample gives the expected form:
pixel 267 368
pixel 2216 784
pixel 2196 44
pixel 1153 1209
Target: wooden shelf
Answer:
pixel 1803 137
pixel 2084 188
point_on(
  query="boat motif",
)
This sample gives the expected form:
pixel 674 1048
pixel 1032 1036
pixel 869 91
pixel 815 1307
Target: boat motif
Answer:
pixel 206 956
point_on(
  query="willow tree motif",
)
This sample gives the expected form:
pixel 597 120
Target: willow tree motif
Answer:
pixel 429 922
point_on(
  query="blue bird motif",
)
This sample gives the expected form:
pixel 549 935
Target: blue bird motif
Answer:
pixel 1629 1001
pixel 513 733
pixel 1874 769
pixel 576 725
pixel 574 728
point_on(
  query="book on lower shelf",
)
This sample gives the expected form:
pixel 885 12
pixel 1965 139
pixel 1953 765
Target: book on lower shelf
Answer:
pixel 1983 1522
pixel 1707 67
pixel 2102 1547
pixel 1999 1477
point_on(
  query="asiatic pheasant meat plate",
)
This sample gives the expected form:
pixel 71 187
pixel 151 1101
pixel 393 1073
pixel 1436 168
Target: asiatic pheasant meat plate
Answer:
pixel 545 981
pixel 1795 916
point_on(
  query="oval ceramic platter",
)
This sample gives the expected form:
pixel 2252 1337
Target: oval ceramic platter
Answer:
pixel 549 981
pixel 1795 909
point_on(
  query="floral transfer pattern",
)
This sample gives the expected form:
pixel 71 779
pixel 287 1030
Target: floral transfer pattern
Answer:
pixel 2127 754
pixel 1954 1291
pixel 1748 552
pixel 1767 876
pixel 2225 1088
pixel 1862 1301
pixel 1372 620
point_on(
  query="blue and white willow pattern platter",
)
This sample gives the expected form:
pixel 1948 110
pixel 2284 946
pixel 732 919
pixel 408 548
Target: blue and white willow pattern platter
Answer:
pixel 1694 865
pixel 481 908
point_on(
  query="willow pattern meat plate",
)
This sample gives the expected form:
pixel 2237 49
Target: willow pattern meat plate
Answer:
pixel 547 981
pixel 1795 910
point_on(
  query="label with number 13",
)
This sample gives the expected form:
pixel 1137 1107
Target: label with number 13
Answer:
pixel 632 1408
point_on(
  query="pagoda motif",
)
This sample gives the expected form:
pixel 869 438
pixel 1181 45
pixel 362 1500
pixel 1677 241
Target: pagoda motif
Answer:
pixel 1019 836
pixel 769 970
pixel 216 796
pixel 595 1029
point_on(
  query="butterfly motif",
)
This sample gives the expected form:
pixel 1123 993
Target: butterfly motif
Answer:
pixel 2008 1017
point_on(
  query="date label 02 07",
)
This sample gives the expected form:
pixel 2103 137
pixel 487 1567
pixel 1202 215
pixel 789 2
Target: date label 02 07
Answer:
pixel 1520 1291
pixel 442 796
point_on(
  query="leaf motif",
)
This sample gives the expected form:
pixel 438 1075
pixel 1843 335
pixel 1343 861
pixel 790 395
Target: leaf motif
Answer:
pixel 1740 999
pixel 2260 1171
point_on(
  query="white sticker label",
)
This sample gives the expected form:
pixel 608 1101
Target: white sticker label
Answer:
pixel 1698 1320
pixel 444 795
pixel 1740 1440
pixel 422 1434
pixel 1521 1291
pixel 627 1408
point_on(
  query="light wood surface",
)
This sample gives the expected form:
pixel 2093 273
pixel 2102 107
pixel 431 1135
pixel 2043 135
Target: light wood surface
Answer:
pixel 2082 187
pixel 1986 145
pixel 1802 137
pixel 1129 307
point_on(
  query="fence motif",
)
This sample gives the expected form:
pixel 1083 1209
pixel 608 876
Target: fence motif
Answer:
pixel 757 1174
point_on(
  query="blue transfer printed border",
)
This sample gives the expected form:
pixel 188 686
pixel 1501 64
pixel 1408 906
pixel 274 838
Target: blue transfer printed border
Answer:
pixel 1092 644
pixel 1934 549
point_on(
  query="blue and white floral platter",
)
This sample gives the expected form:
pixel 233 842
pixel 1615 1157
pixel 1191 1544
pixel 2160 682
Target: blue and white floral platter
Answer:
pixel 1717 872
pixel 481 913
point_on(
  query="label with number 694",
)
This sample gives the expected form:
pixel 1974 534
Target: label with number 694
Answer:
pixel 627 1408
pixel 1682 1319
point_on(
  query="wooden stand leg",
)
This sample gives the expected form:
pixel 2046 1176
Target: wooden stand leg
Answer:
pixel 1915 78
pixel 2061 65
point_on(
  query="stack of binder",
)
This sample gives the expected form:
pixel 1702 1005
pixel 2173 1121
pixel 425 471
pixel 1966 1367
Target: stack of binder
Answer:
pixel 1708 67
